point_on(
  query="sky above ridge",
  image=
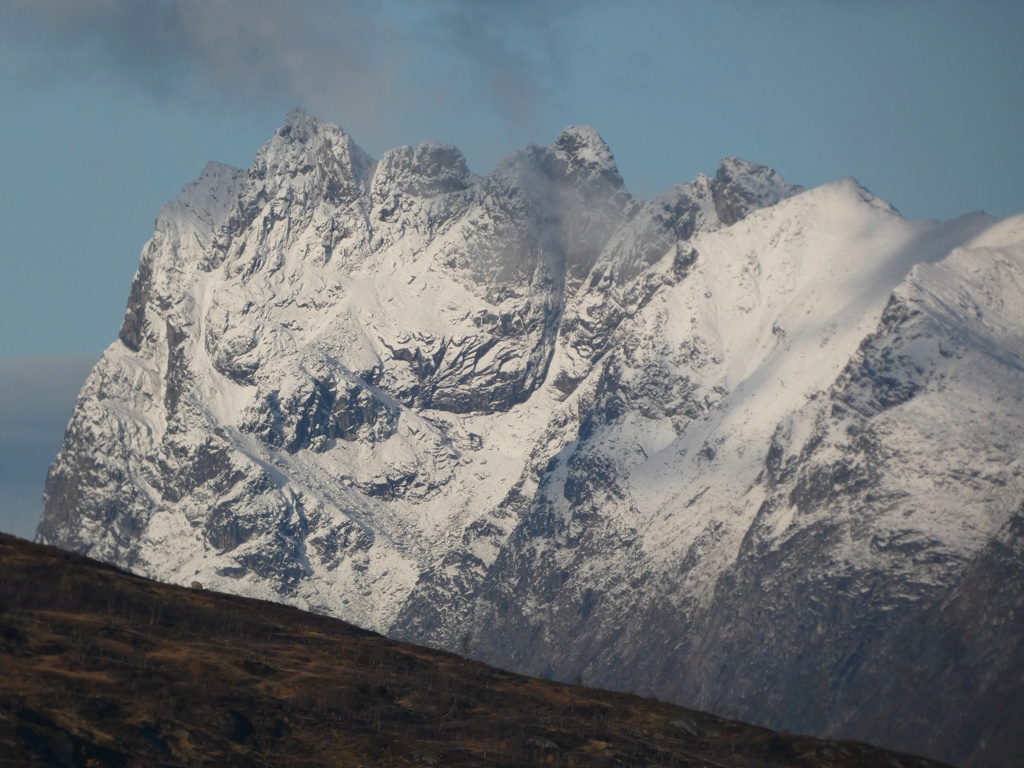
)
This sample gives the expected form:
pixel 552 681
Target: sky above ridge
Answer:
pixel 112 106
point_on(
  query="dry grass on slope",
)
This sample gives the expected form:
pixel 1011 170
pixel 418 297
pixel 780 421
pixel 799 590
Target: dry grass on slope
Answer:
pixel 102 668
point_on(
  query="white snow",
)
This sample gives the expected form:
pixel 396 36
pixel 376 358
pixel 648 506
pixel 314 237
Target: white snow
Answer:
pixel 278 288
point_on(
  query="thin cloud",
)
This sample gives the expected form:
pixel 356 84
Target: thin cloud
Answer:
pixel 515 48
pixel 341 59
pixel 238 50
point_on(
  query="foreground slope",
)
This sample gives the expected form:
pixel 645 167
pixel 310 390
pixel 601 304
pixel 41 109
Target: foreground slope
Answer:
pixel 739 446
pixel 104 668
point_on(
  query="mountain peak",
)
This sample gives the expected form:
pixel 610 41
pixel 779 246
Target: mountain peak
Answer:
pixel 305 146
pixel 742 187
pixel 583 149
pixel 428 169
pixel 299 127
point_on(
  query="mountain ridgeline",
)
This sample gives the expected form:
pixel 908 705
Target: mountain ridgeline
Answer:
pixel 747 447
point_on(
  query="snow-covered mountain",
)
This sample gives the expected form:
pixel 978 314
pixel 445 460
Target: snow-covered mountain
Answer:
pixel 748 447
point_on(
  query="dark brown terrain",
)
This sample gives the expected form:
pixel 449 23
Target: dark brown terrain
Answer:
pixel 102 668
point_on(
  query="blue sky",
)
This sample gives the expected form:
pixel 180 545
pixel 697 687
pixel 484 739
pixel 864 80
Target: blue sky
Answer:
pixel 111 106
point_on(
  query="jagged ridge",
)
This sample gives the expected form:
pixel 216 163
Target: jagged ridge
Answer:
pixel 775 428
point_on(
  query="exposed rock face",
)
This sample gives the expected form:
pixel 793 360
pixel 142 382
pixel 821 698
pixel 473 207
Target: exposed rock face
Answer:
pixel 749 447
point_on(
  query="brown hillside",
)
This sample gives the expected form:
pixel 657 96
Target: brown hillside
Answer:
pixel 102 668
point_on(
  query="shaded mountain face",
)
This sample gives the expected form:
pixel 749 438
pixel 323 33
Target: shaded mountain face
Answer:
pixel 104 668
pixel 738 446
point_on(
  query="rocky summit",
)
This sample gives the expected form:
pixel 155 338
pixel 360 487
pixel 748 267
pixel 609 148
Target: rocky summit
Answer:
pixel 747 447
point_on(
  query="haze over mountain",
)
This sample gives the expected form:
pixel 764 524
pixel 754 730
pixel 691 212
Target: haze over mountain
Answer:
pixel 744 446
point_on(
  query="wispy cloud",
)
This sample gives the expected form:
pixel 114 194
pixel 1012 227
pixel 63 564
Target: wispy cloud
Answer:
pixel 240 50
pixel 515 49
pixel 349 56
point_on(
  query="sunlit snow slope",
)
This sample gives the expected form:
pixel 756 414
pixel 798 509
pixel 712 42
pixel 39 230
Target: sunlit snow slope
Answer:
pixel 737 446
